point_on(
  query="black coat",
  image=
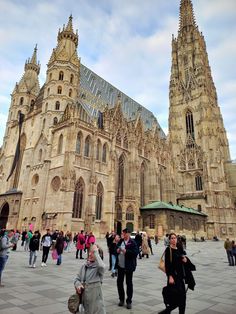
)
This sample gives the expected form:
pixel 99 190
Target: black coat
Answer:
pixel 59 246
pixel 34 243
pixel 130 254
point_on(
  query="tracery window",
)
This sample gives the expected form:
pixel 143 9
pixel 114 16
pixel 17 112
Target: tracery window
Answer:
pixel 142 185
pixel 130 213
pixel 78 199
pixel 21 101
pixel 198 183
pixel 71 78
pixel 40 154
pixel 189 124
pixel 70 92
pixel 99 199
pixel 121 176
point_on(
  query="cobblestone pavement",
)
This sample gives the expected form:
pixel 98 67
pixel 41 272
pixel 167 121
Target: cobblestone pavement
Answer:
pixel 45 290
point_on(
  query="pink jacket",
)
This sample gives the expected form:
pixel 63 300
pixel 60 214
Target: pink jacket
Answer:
pixel 80 242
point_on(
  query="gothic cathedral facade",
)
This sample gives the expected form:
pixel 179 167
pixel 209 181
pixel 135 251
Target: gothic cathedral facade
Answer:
pixel 80 154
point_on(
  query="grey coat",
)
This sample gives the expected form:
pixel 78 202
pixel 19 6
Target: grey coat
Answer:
pixel 5 245
pixel 91 276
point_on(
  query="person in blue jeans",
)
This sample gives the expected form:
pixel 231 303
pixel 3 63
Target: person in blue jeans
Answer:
pixel 5 245
pixel 113 251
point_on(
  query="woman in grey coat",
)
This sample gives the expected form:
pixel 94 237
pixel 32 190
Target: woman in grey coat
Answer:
pixel 89 283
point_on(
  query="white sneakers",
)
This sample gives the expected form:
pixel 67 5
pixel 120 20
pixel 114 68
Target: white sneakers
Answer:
pixel 32 266
pixel 43 264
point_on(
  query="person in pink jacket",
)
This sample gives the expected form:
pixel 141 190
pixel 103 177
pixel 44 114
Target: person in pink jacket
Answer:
pixel 80 244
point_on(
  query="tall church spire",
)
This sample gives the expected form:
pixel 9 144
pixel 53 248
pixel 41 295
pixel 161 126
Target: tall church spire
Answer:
pixel 32 64
pixel 186 17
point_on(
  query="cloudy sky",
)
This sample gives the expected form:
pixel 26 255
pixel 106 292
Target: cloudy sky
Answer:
pixel 128 43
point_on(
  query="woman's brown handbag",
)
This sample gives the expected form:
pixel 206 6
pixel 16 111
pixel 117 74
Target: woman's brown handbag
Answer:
pixel 161 265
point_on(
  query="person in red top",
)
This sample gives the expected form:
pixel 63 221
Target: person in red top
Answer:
pixel 80 244
pixel 90 241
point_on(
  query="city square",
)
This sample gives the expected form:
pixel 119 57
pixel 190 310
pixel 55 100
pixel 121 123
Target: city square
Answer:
pixel 46 289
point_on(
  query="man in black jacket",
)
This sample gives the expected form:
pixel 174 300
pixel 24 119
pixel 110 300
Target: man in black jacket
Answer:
pixel 127 260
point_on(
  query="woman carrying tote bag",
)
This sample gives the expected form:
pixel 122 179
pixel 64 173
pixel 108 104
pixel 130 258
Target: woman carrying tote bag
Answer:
pixel 174 293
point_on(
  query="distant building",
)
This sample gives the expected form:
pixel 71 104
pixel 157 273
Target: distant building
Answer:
pixel 80 154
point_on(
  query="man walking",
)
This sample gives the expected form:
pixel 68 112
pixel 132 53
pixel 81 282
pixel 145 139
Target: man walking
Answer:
pixel 4 251
pixel 127 261
pixel 228 248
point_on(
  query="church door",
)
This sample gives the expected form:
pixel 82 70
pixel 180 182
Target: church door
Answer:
pixel 4 215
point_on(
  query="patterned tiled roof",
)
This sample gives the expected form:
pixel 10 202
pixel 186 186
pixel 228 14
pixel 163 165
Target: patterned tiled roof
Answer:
pixel 108 94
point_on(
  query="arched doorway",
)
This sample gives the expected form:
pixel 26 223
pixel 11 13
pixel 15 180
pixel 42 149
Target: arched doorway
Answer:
pixel 4 216
pixel 130 226
pixel 118 227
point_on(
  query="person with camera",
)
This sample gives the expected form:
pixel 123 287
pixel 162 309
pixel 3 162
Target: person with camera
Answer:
pixel 88 283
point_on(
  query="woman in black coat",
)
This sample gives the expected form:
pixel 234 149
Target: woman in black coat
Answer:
pixel 174 262
pixel 59 246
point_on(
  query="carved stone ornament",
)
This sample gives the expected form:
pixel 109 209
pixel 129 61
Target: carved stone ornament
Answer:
pixel 56 183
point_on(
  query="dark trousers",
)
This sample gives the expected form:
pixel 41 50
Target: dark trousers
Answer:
pixel 110 261
pixel 230 257
pixel 79 253
pixel 128 275
pixel 45 253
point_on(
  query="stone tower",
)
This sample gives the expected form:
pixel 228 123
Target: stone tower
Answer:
pixel 196 132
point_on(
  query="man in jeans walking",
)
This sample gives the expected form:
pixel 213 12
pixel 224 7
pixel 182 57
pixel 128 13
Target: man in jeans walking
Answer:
pixel 4 251
pixel 127 260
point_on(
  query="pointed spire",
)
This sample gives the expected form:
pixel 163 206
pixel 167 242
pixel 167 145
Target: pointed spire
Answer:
pixel 34 56
pixel 69 27
pixel 186 17
pixel 32 64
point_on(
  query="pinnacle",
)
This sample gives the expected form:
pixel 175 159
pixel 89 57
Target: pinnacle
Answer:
pixel 34 56
pixel 69 27
pixel 186 17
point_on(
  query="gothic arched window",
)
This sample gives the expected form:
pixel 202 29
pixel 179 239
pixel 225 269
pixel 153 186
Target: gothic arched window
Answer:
pixel 129 213
pixel 142 185
pixel 61 76
pixel 198 183
pixel 99 199
pixel 78 199
pixel 21 101
pixel 151 221
pixel 104 153
pixel 78 143
pixel 87 144
pixel 55 120
pixel 57 105
pixel 121 176
pixel 60 145
pixel 98 152
pixel 59 90
pixel 189 124
pixel 71 78
pixel 40 154
pixel 70 92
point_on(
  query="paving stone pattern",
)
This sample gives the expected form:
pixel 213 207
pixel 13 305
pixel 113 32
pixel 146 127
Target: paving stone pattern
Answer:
pixel 45 290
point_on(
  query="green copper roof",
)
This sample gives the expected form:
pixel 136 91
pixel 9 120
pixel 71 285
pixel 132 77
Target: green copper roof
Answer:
pixel 163 205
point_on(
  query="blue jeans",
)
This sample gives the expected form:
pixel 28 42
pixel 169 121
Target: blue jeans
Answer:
pixel 59 260
pixel 113 263
pixel 3 260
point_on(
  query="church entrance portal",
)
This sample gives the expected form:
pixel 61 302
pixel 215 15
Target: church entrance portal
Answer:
pixel 4 216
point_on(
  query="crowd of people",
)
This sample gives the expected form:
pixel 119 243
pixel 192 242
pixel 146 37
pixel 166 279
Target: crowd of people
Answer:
pixel 123 255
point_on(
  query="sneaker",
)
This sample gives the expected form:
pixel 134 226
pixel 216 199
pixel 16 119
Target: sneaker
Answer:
pixel 34 266
pixel 129 306
pixel 113 275
pixel 30 266
pixel 42 264
pixel 121 303
pixel 45 265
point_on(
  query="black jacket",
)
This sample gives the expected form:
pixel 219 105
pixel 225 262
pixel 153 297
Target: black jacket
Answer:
pixel 34 243
pixel 130 254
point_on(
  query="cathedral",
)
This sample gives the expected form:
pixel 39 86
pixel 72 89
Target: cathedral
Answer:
pixel 78 153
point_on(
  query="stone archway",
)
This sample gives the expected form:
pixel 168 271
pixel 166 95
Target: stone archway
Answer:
pixel 4 216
